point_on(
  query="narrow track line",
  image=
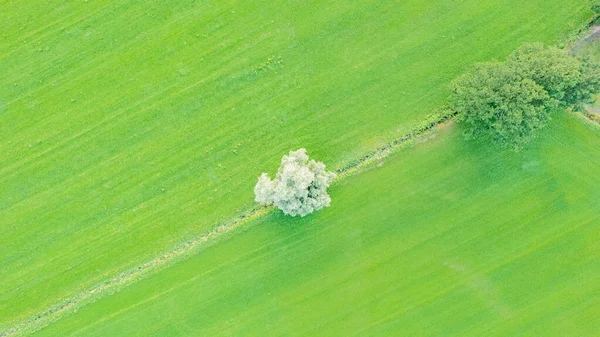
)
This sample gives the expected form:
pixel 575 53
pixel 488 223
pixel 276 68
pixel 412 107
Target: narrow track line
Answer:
pixel 110 286
pixel 166 92
pixel 131 276
pixel 113 285
pixel 38 38
pixel 485 271
pixel 91 64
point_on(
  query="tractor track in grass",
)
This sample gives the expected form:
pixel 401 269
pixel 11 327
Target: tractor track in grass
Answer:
pixel 195 245
pixel 64 307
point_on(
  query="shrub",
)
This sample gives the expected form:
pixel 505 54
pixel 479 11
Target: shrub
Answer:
pixel 299 188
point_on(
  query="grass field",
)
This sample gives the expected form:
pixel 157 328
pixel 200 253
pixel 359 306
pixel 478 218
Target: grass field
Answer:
pixel 447 238
pixel 129 127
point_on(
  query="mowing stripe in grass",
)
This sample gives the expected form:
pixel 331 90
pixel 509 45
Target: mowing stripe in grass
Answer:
pixel 194 246
pixel 133 275
pixel 66 239
pixel 452 225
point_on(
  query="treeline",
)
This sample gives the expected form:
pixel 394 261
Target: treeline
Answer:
pixel 508 101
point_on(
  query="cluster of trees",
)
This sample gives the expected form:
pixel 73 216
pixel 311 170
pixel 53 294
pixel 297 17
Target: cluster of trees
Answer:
pixel 505 101
pixel 508 101
pixel 299 188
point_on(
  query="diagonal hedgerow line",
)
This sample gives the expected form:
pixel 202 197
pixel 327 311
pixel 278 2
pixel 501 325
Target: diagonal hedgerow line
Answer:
pixel 222 231
pixel 112 285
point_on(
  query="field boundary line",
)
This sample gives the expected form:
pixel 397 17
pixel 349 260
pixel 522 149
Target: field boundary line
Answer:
pixel 184 250
pixel 113 285
pixel 195 245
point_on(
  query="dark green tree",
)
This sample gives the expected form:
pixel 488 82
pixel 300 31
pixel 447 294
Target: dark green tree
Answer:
pixel 552 68
pixel 495 101
pixel 509 101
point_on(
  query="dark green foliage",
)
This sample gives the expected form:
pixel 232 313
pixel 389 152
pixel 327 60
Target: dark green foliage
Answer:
pixel 552 68
pixel 496 101
pixel 596 7
pixel 589 84
pixel 508 101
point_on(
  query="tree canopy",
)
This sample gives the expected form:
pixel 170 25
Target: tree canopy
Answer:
pixel 299 188
pixel 508 101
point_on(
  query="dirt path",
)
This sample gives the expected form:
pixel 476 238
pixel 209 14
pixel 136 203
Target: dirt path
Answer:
pixel 593 35
pixel 594 109
pixel 592 113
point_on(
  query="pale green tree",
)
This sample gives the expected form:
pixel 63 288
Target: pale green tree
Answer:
pixel 299 188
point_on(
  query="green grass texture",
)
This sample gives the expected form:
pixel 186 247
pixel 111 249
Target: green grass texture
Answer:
pixel 128 127
pixel 447 238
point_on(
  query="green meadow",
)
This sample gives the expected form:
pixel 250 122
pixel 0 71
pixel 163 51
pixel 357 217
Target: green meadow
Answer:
pixel 446 238
pixel 130 127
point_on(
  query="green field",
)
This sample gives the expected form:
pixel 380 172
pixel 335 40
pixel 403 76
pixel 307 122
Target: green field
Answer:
pixel 447 238
pixel 127 128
